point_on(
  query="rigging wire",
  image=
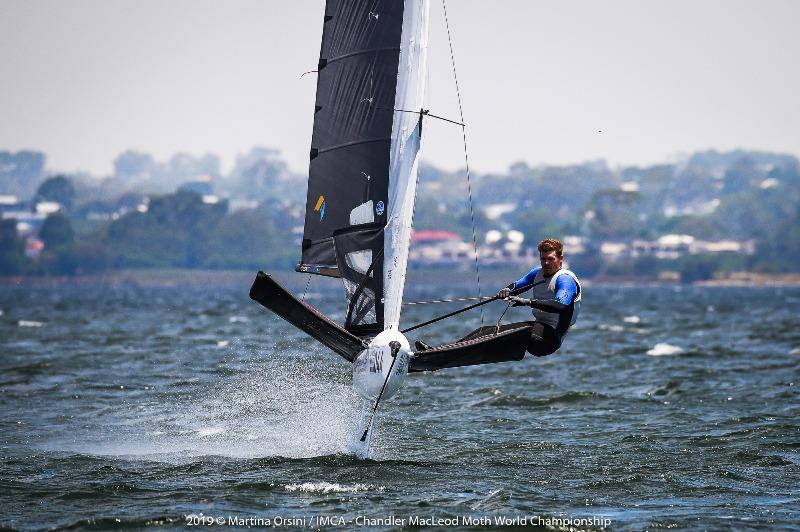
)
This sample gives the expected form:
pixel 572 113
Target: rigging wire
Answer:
pixel 308 282
pixel 497 327
pixel 452 300
pixel 466 156
pixel 425 112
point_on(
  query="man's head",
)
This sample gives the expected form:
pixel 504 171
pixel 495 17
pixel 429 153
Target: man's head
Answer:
pixel 551 255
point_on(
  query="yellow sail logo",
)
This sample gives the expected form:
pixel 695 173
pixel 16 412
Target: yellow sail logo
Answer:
pixel 320 207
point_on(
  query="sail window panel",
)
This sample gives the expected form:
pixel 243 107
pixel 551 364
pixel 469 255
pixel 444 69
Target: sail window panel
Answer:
pixel 363 309
pixel 360 261
pixel 363 214
pixel 359 258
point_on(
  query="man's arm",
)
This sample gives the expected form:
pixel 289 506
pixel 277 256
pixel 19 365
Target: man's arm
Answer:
pixel 526 281
pixel 520 285
pixel 566 290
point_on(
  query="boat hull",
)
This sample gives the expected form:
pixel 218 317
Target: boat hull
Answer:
pixel 379 364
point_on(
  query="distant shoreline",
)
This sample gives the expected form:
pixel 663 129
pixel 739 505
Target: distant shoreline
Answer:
pixel 200 278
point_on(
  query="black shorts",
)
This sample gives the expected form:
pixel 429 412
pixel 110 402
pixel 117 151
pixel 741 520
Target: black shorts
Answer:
pixel 544 340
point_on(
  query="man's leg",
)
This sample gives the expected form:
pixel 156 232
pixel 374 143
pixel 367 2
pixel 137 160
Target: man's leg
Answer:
pixel 544 340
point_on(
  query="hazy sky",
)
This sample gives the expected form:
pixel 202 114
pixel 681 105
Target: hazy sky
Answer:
pixel 632 81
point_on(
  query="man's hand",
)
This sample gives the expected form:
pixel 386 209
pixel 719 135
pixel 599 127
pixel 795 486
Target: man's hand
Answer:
pixel 519 301
pixel 504 293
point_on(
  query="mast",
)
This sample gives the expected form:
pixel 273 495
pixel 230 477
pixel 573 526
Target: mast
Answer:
pixel 406 137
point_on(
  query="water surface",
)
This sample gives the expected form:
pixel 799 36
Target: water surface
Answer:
pixel 136 406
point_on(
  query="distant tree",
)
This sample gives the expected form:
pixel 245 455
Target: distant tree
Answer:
pixel 779 249
pixel 184 166
pixel 698 267
pixel 20 172
pixel 535 224
pixel 693 185
pixel 262 174
pixel 566 190
pixel 133 164
pixel 56 232
pixel 741 175
pixel 703 227
pixel 58 189
pixel 252 238
pixel 431 214
pixel 91 256
pixel 430 173
pixel 174 232
pixel 59 255
pixel 788 173
pixel 614 214
pixel 12 249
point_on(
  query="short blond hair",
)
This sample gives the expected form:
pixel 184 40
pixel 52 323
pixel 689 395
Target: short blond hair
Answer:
pixel 551 244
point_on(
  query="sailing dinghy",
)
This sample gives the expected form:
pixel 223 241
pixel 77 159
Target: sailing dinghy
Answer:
pixel 361 188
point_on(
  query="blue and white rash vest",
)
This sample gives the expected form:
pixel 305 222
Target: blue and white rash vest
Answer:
pixel 558 298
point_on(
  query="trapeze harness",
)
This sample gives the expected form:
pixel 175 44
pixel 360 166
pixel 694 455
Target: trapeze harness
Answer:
pixel 556 305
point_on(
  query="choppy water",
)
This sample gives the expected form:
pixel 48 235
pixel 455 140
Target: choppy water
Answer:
pixel 140 406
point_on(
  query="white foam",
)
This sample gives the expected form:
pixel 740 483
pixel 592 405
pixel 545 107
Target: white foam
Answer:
pixel 795 351
pixel 663 349
pixel 209 431
pixel 631 319
pixel 222 343
pixel 328 487
pixel 30 323
pixel 290 406
pixel 612 328
pixel 238 319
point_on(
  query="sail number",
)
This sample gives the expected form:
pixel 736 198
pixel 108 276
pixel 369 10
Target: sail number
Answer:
pixel 376 362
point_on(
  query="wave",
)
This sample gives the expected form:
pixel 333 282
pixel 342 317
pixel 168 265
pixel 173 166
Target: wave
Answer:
pixel 664 349
pixel 328 487
pixel 571 397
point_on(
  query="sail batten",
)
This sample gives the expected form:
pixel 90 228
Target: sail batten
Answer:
pixel 359 52
pixel 349 144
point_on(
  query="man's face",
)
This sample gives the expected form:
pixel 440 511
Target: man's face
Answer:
pixel 551 262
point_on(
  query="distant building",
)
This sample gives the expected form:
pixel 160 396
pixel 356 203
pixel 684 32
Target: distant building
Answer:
pixel 613 249
pixel 747 247
pixel 447 249
pixel 674 246
pixel 427 236
pixel 702 208
pixel 9 203
pixel 574 244
pixel 47 207
pixel 496 210
pixel 28 222
pixel 434 247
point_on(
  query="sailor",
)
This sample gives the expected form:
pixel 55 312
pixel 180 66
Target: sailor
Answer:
pixel 556 298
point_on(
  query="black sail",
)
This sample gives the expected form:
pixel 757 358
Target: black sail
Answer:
pixel 350 148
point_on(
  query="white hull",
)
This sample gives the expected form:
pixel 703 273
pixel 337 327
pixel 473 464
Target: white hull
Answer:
pixel 375 366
